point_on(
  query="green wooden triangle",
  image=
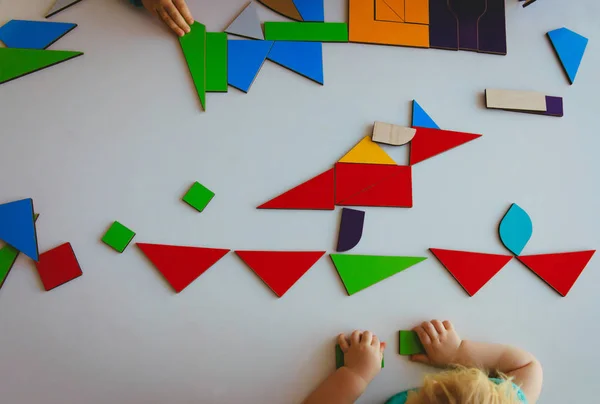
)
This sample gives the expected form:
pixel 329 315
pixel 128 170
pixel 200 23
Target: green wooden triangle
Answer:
pixel 193 45
pixel 15 63
pixel 358 272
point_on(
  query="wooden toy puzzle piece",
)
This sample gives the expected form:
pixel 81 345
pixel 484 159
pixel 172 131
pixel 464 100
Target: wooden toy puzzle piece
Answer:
pixel 468 13
pixel 17 227
pixel 198 196
pixel 528 3
pixel 286 8
pixel 193 45
pixel 33 34
pixel 339 358
pixel 306 31
pixel 409 343
pixel 351 229
pixel 315 194
pixel 364 28
pixel 280 270
pixel 311 10
pixel 559 270
pixel 179 265
pixel 15 63
pixel 394 135
pixel 491 28
pixel 393 192
pixel 358 272
pixel 247 24
pixel 60 5
pixel 515 100
pixel 431 142
pixel 353 178
pixel 58 266
pixel 554 106
pixel 367 152
pixel 389 10
pixel 415 11
pixel 420 118
pixel 8 256
pixel 118 237
pixel 515 229
pixel 569 47
pixel 245 58
pixel 304 58
pixel 443 26
pixel 216 62
pixel 470 269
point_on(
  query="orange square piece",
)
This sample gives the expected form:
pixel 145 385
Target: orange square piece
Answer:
pixel 364 28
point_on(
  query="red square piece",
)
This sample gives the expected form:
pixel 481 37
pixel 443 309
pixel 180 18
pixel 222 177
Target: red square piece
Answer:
pixel 58 266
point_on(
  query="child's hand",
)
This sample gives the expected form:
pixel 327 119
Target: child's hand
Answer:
pixel 362 354
pixel 174 13
pixel 441 343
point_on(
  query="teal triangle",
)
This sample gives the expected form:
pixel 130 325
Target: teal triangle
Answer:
pixel 570 47
pixel 17 227
pixel 358 272
pixel 421 118
pixel 304 58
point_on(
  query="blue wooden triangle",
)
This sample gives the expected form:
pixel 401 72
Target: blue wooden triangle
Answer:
pixel 305 58
pixel 33 34
pixel 17 227
pixel 245 58
pixel 570 47
pixel 421 118
pixel 310 10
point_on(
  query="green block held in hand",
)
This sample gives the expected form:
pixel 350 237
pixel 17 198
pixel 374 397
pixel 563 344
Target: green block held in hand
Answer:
pixel 339 358
pixel 409 343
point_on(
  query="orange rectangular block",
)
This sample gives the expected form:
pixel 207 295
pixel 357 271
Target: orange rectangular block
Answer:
pixel 365 29
pixel 389 10
pixel 417 11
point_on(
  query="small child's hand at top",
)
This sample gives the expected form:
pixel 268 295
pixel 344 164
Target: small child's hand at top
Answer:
pixel 363 353
pixel 441 342
pixel 174 13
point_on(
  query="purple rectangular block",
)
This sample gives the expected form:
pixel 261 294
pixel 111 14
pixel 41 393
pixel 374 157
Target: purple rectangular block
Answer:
pixel 492 28
pixel 554 106
pixel 468 13
pixel 443 26
pixel 351 228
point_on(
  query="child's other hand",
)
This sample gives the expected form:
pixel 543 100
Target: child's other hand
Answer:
pixel 441 343
pixel 362 354
pixel 174 13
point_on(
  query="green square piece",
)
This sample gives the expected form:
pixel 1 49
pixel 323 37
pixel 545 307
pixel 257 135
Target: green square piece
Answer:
pixel 198 196
pixel 409 343
pixel 339 358
pixel 118 237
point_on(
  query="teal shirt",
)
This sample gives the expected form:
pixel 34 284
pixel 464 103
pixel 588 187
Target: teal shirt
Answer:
pixel 136 2
pixel 401 398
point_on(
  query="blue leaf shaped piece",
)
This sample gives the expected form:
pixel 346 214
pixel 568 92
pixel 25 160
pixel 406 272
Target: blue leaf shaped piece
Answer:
pixel 515 229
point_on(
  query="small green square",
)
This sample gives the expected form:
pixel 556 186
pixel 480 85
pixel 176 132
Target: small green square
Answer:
pixel 198 196
pixel 409 343
pixel 339 357
pixel 118 237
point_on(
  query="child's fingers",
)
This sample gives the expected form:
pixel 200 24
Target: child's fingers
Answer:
pixel 448 325
pixel 169 21
pixel 420 358
pixel 382 347
pixel 375 341
pixel 184 10
pixel 367 338
pixel 176 16
pixel 425 340
pixel 355 337
pixel 343 343
pixel 430 330
pixel 439 327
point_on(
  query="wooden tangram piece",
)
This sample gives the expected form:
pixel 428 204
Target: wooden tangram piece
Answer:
pixel 33 34
pixel 559 270
pixel 316 193
pixel 193 45
pixel 351 229
pixel 304 58
pixel 181 265
pixel 476 25
pixel 286 8
pixel 247 24
pixel 409 343
pixel 367 152
pixel 58 266
pixel 531 102
pixel 17 227
pixel 15 63
pixel 569 47
pixel 373 185
pixel 60 5
pixel 389 10
pixel 363 27
pixel 394 135
pixel 515 229
pixel 472 270
pixel 431 142
pixel 280 270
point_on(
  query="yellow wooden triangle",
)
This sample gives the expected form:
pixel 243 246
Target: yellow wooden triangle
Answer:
pixel 367 152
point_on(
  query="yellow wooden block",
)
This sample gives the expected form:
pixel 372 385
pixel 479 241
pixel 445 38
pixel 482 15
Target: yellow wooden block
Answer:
pixel 367 152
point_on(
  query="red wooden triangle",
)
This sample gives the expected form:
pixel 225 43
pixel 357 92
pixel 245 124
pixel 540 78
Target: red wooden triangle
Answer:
pixel 280 269
pixel 471 270
pixel 560 270
pixel 352 178
pixel 181 265
pixel 431 142
pixel 395 192
pixel 316 193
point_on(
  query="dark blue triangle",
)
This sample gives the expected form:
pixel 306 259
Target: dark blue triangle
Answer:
pixel 33 34
pixel 17 227
pixel 245 58
pixel 305 58
pixel 310 10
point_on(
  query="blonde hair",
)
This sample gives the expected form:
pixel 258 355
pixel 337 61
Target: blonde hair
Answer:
pixel 464 386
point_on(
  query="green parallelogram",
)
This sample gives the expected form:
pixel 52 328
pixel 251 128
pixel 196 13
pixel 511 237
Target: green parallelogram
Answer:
pixel 193 45
pixel 409 343
pixel 15 63
pixel 358 272
pixel 216 62
pixel 339 358
pixel 306 31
